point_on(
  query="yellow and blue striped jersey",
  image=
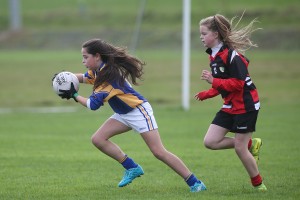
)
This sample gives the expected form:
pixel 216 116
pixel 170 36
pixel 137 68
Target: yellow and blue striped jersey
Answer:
pixel 122 99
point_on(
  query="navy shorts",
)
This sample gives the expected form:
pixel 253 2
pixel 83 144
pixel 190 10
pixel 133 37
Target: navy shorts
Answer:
pixel 237 123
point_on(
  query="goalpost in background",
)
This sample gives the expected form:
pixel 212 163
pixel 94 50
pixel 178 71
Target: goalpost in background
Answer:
pixel 15 16
pixel 186 43
pixel 186 40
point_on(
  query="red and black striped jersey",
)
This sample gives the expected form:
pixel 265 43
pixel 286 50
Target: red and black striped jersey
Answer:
pixel 232 80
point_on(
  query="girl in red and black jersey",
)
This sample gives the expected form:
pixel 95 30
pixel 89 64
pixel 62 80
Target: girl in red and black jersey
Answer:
pixel 230 78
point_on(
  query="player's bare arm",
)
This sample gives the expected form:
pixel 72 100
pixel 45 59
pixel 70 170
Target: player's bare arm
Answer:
pixel 80 78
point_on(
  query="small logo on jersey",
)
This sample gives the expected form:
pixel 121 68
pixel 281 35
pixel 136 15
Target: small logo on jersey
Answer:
pixel 214 64
pixel 215 70
pixel 241 127
pixel 222 69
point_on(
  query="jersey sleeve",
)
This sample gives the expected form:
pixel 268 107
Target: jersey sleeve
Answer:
pixel 96 100
pixel 207 94
pixel 237 71
pixel 229 85
pixel 89 77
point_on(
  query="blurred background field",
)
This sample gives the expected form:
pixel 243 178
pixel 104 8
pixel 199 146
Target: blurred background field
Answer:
pixel 46 155
pixel 52 33
pixel 65 24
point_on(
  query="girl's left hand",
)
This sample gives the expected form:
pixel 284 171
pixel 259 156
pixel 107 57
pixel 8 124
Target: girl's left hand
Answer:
pixel 206 75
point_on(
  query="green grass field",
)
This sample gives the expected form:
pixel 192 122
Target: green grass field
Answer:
pixel 50 156
pixel 45 154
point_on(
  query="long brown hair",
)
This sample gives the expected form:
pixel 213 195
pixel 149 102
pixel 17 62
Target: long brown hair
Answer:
pixel 119 65
pixel 234 37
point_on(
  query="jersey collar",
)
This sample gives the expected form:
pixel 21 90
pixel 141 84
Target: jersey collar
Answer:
pixel 102 65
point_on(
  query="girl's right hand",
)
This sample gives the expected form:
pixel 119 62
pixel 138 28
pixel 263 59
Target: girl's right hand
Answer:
pixel 206 75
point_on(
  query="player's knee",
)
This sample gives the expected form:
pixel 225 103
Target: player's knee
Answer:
pixel 209 144
pixel 96 140
pixel 159 154
pixel 240 148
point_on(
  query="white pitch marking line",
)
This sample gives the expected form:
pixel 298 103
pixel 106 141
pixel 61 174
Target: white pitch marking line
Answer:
pixel 38 110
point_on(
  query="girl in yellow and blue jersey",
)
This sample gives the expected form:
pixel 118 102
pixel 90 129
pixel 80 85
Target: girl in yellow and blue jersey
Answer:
pixel 110 69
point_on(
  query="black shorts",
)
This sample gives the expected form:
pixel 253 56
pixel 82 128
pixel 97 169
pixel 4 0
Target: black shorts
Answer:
pixel 237 123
